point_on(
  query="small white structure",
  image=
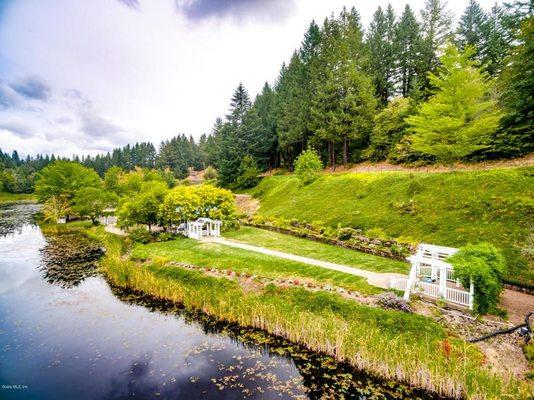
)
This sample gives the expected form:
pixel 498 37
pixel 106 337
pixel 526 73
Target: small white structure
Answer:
pixel 203 227
pixel 431 276
pixel 107 220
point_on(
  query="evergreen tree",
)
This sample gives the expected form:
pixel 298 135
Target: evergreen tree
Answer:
pixel 498 41
pixel 461 116
pixel 471 29
pixel 517 85
pixel 239 105
pixel 436 28
pixel 380 40
pixel 408 45
pixel 265 104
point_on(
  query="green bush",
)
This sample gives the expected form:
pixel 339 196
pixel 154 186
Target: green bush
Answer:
pixel 376 233
pixel 346 233
pixel 308 166
pixel 140 235
pixel 210 173
pixel 484 264
pixel 230 225
pixel 248 173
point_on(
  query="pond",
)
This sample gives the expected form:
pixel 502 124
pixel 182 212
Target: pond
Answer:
pixel 65 333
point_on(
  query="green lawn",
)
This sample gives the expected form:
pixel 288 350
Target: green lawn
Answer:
pixel 319 251
pixel 225 257
pixel 15 197
pixel 450 209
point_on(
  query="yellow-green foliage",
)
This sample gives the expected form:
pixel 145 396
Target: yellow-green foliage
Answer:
pixel 450 209
pixel 189 202
pixel 390 344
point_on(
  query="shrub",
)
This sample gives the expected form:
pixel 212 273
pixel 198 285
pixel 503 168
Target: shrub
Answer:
pixel 231 225
pixel 164 237
pixel 390 301
pixel 346 233
pixel 140 235
pixel 210 173
pixel 484 264
pixel 248 173
pixel 308 166
pixel 376 233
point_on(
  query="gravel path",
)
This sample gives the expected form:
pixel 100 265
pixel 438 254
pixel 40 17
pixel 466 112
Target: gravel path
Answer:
pixel 373 278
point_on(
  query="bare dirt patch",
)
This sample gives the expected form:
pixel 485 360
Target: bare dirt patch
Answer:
pixel 246 204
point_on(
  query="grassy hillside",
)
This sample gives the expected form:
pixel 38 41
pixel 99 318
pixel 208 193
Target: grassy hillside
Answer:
pixel 450 209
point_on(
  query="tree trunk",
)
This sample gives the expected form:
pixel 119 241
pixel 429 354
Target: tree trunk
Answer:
pixel 333 157
pixel 345 152
pixel 93 220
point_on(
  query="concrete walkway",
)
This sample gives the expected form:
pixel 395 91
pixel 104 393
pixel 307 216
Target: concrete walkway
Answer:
pixel 373 278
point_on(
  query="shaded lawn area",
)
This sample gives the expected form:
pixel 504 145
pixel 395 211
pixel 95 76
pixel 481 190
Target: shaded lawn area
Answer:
pixel 319 251
pixel 218 256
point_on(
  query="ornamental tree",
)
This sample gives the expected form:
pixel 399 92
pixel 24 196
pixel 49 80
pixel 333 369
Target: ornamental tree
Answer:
pixel 308 166
pixel 91 201
pixel 143 208
pixel 461 116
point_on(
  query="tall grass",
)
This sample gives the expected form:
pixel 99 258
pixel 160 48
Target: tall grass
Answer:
pixel 390 344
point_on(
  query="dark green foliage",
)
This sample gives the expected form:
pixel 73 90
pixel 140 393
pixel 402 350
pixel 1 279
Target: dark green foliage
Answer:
pixel 484 265
pixel 517 85
pixel 389 128
pixel 408 45
pixel 140 235
pixel 248 173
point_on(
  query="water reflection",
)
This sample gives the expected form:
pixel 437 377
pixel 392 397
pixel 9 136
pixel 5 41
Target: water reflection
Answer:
pixel 78 338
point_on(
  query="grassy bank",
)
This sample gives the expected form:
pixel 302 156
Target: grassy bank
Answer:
pixel 319 251
pixel 222 257
pixel 6 198
pixel 390 344
pixel 450 209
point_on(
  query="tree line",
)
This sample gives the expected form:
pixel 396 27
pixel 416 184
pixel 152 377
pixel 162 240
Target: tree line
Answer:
pixel 408 89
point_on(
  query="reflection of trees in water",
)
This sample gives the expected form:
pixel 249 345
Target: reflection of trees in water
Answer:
pixel 323 377
pixel 67 259
pixel 13 217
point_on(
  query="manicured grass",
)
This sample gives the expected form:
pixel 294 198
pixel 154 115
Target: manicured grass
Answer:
pixel 16 197
pixel 390 344
pixel 319 251
pixel 449 209
pixel 229 258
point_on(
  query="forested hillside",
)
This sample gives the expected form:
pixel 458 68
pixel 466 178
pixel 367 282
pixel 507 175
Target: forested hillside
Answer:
pixel 413 88
pixel 451 209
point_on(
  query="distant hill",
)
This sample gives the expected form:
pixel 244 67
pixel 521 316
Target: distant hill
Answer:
pixel 447 208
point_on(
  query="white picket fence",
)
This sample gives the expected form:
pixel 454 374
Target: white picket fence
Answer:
pixel 455 296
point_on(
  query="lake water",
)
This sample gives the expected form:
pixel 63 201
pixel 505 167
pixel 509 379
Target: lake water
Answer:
pixel 66 334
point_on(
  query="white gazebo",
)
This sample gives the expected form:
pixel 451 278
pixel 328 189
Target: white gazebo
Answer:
pixel 431 276
pixel 203 227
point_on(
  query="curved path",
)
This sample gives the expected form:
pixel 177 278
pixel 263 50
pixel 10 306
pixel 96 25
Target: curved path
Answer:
pixel 373 278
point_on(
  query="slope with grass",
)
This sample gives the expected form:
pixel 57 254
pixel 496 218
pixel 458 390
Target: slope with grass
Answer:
pixel 451 209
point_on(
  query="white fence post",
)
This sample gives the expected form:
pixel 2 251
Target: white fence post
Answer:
pixel 471 294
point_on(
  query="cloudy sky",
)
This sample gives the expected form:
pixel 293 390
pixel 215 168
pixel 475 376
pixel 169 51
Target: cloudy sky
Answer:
pixel 80 76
